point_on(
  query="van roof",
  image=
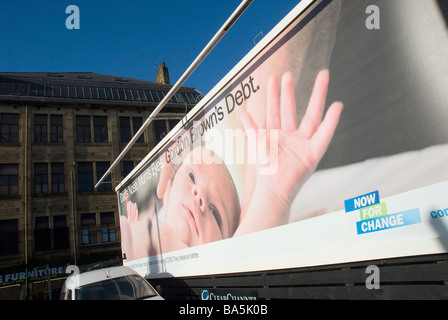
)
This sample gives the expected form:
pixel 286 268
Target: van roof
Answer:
pixel 80 279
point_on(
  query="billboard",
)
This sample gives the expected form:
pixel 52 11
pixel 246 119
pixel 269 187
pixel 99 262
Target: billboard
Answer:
pixel 327 143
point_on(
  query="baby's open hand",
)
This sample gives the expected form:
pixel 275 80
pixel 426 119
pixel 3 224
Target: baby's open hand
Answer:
pixel 299 149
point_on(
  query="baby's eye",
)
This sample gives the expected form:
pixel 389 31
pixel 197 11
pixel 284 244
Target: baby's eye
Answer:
pixel 216 215
pixel 191 175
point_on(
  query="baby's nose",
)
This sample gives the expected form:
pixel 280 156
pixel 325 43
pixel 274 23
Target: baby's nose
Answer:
pixel 199 197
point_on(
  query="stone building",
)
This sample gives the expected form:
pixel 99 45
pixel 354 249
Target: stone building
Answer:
pixel 59 133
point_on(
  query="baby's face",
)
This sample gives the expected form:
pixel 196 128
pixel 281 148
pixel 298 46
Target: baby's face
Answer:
pixel 202 206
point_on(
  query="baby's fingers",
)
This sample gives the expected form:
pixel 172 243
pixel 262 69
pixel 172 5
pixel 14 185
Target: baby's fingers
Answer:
pixel 313 115
pixel 288 104
pixel 273 120
pixel 321 139
pixel 247 122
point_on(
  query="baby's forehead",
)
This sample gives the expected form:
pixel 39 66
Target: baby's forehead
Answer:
pixel 211 165
pixel 214 173
pixel 202 155
pixel 217 178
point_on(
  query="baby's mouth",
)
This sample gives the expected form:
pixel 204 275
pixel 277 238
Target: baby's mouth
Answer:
pixel 190 215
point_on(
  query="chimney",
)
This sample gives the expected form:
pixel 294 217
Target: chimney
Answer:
pixel 162 74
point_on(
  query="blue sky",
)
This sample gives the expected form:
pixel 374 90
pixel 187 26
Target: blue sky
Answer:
pixel 128 38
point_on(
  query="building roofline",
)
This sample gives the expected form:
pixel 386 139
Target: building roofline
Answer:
pixel 81 77
pixel 88 87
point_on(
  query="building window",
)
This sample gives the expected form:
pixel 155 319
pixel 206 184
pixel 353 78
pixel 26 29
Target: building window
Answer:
pixel 88 229
pixel 93 233
pixel 9 129
pixel 60 233
pixel 9 237
pixel 158 95
pixel 100 129
pixel 121 94
pixel 128 166
pixel 84 126
pixel 85 176
pixel 102 93
pixel 108 93
pixel 9 179
pixel 64 91
pixel 56 129
pixel 40 90
pixel 79 92
pixel 129 127
pixel 136 124
pixel 48 90
pixel 41 181
pixel 173 122
pixel 162 127
pixel 160 130
pixel 178 97
pixel 32 89
pixel 40 128
pixel 88 92
pixel 46 239
pixel 57 91
pixel 57 177
pixel 142 95
pixel 125 129
pixel 72 91
pixel 108 231
pixel 42 234
pixel 149 96
pixel 94 93
pixel 83 133
pixel 7 89
pixel 41 178
pixel 101 168
pixel 129 96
